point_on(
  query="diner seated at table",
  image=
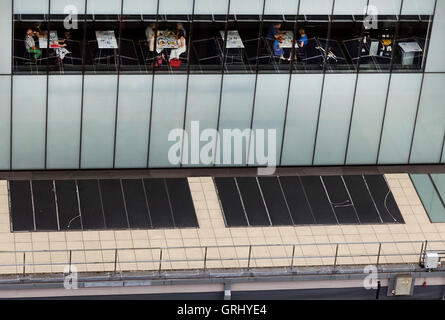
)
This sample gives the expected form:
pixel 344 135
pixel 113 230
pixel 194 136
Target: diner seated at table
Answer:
pixel 182 47
pixel 150 35
pixel 303 38
pixel 273 34
pixel 60 47
pixel 30 44
pixel 277 50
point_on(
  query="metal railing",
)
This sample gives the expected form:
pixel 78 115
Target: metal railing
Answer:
pixel 159 259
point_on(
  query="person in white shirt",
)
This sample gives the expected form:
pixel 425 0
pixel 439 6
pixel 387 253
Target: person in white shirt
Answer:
pixel 180 36
pixel 150 35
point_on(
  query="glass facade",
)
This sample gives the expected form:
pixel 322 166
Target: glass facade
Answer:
pixel 351 91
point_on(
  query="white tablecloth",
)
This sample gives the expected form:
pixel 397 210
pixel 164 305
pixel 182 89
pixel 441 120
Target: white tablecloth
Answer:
pixel 234 40
pixel 43 41
pixel 106 40
pixel 410 47
pixel 288 38
pixel 166 40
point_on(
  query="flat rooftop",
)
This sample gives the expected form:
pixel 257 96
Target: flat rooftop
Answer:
pixel 185 249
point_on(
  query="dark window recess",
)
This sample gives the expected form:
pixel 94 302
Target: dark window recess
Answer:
pixel 158 203
pixel 181 203
pixel 68 205
pixel 384 199
pixel 136 202
pixel 22 214
pixel 113 204
pixel 296 200
pixel 206 51
pixel 321 207
pixel 363 202
pixel 232 206
pixel 90 204
pixel 340 200
pixel 44 205
pixel 253 202
pixel 274 198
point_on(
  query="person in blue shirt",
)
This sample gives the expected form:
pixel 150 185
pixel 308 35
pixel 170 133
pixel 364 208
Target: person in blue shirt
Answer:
pixel 273 34
pixel 277 50
pixel 303 38
pixel 274 31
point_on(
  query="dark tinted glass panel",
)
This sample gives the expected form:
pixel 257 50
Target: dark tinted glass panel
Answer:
pixel 44 205
pixel 275 202
pixel 362 200
pixel 182 203
pixel 90 204
pixel 22 214
pixel 136 203
pixel 296 199
pixel 343 207
pixel 231 202
pixel 68 205
pixel 253 202
pixel 389 211
pixel 113 204
pixel 318 200
pixel 158 203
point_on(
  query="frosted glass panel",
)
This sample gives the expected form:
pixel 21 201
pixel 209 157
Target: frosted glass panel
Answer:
pixel 436 50
pixel 104 6
pixel 236 113
pixel 140 6
pixel 59 6
pixel 443 153
pixel 5 119
pixel 350 6
pixel 367 119
pixel 202 114
pixel 175 7
pixel 335 113
pixel 281 7
pixel 30 6
pixel 386 6
pixel 316 6
pixel 269 114
pixel 133 121
pixel 28 122
pixel 439 181
pixel 418 6
pixel 64 105
pixel 401 109
pixel 6 35
pixel 246 7
pixel 99 110
pixel 167 114
pixel 430 126
pixel 211 6
pixel 430 198
pixel 302 114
